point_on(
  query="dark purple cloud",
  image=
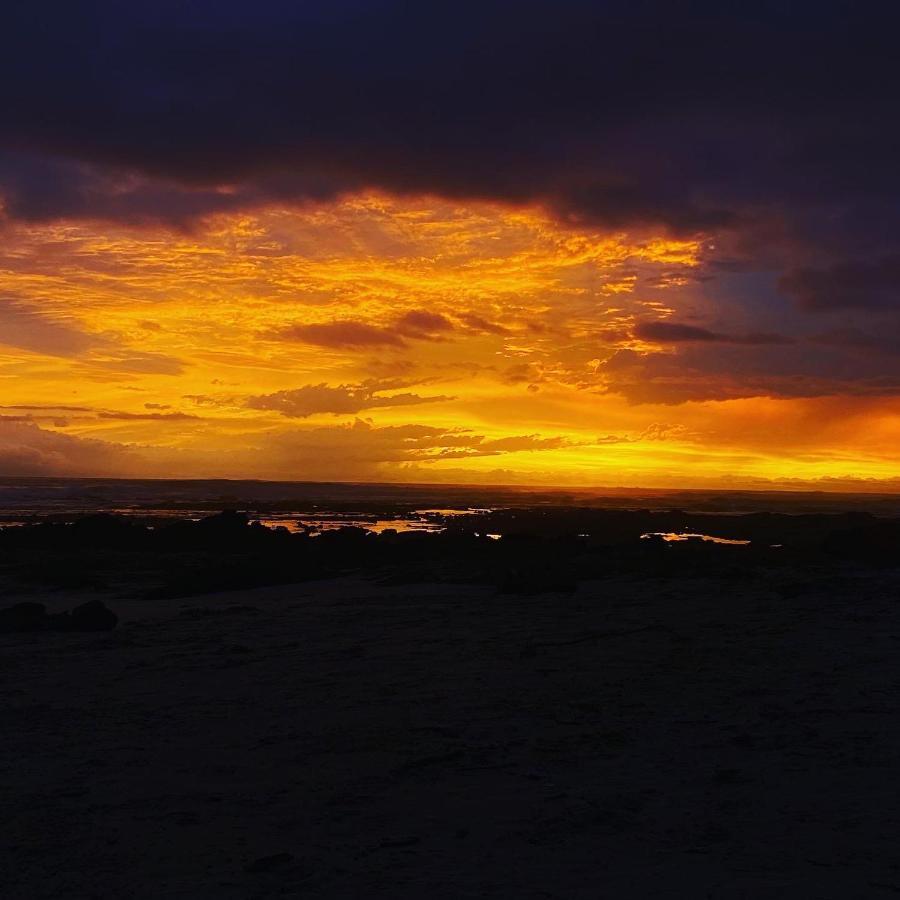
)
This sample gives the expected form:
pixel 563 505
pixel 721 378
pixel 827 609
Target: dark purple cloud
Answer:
pixel 859 284
pixel 715 370
pixel 698 117
pixel 663 332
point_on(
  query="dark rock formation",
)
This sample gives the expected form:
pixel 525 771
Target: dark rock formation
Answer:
pixel 33 617
pixel 92 616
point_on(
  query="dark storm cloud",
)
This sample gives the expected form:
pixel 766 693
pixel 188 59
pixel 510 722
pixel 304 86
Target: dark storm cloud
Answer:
pixel 700 116
pixel 886 341
pixel 713 370
pixel 869 284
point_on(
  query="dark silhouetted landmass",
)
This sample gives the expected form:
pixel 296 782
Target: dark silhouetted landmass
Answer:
pixel 543 700
pixel 517 550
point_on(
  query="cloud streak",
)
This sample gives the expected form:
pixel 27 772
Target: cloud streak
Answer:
pixel 663 332
pixel 341 335
pixel 344 399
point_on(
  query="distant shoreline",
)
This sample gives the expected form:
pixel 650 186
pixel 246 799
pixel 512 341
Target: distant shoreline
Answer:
pixel 862 489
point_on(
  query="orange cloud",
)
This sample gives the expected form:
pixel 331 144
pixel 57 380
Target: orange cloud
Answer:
pixel 476 338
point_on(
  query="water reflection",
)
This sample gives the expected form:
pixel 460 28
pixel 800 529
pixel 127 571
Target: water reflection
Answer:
pixel 427 520
pixel 672 536
pixel 313 526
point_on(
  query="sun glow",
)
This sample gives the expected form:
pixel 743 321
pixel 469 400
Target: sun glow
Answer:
pixel 369 338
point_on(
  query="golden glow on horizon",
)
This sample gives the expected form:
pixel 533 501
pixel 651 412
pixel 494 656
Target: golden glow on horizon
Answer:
pixel 428 340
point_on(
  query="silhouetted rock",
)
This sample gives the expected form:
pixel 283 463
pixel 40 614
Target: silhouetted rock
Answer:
pixel 543 549
pixel 92 616
pixel 31 617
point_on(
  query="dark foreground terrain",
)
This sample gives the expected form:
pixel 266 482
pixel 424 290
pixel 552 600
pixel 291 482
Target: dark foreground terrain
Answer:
pixel 557 717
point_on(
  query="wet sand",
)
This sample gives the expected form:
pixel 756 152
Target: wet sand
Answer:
pixel 641 738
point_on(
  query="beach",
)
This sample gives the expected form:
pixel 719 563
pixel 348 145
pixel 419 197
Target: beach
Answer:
pixel 343 738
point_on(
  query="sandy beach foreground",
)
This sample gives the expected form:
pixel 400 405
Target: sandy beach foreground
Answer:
pixel 640 738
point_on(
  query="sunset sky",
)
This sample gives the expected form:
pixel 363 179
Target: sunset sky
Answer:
pixel 535 243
